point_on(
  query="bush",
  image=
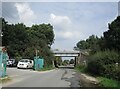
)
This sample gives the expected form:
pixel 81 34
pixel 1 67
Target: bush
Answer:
pixel 104 63
pixel 105 82
pixel 81 68
pixel 111 70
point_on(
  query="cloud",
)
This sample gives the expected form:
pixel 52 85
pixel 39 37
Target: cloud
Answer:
pixel 59 19
pixel 64 28
pixel 71 21
pixel 60 23
pixel 25 13
pixel 9 12
pixel 68 34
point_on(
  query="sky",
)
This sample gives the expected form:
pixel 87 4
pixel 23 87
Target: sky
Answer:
pixel 72 21
pixel 119 8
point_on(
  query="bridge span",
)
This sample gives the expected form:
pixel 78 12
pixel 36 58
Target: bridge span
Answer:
pixel 66 53
pixel 75 54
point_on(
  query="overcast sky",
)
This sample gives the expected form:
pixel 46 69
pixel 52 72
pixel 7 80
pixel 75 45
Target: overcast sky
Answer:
pixel 72 21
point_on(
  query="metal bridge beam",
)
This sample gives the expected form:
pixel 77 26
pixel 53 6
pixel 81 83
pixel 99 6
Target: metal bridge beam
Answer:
pixel 66 55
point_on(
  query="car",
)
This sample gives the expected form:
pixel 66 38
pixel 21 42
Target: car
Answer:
pixel 25 63
pixel 12 63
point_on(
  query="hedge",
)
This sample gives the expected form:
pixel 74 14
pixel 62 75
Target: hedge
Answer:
pixel 105 63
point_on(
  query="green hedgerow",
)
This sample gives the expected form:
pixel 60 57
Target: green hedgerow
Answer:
pixel 105 63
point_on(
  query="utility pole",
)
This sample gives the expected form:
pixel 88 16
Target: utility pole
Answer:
pixel 1 35
pixel 36 52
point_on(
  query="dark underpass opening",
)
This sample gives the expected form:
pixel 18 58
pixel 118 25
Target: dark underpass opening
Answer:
pixel 65 62
pixel 65 58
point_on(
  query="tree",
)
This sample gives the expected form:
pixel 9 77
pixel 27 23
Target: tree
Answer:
pixel 46 30
pixel 91 43
pixel 65 62
pixel 41 38
pixel 112 36
pixel 59 60
pixel 22 41
pixel 4 27
pixel 72 61
pixel 83 44
pixel 14 38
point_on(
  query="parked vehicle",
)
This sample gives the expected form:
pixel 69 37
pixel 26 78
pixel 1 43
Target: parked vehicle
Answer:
pixel 25 63
pixel 12 63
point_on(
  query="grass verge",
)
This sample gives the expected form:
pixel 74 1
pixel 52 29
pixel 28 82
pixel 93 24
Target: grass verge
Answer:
pixel 47 68
pixel 105 82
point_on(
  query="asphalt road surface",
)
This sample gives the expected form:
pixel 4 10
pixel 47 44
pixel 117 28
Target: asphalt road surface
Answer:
pixel 62 77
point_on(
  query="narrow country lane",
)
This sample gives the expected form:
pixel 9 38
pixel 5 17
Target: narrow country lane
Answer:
pixel 63 77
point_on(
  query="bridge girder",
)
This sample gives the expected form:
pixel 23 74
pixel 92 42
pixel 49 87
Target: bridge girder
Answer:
pixel 66 53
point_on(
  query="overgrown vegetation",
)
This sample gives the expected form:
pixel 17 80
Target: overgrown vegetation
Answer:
pixel 106 82
pixel 105 64
pixel 58 61
pixel 26 42
pixel 5 79
pixel 81 68
pixel 104 55
pixel 65 62
pixel 50 67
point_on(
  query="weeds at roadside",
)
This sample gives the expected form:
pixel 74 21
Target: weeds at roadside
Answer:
pixel 5 79
pixel 105 82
